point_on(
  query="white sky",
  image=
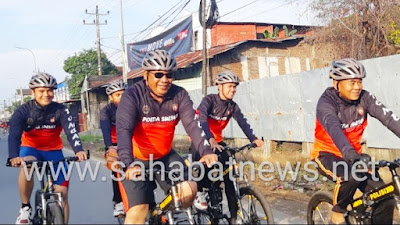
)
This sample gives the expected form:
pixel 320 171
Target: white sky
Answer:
pixel 53 30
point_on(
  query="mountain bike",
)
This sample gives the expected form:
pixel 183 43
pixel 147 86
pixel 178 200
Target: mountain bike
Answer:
pixel 169 210
pixel 48 208
pixel 360 210
pixel 253 207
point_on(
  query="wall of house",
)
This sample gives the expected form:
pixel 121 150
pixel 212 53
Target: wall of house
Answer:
pixel 97 100
pixel 223 34
pixel 252 61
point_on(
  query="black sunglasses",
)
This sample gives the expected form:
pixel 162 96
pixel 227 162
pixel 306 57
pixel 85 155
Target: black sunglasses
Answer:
pixel 159 75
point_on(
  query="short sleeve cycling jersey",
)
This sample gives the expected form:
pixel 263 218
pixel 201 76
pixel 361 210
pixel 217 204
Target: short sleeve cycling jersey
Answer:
pixel 146 127
pixel 340 123
pixel 40 128
pixel 107 124
pixel 215 113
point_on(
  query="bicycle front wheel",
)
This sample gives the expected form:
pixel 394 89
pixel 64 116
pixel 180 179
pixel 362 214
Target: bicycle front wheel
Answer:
pixel 255 206
pixel 319 210
pixel 54 214
pixel 205 217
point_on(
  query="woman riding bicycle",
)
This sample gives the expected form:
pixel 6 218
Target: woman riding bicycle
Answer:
pixel 341 120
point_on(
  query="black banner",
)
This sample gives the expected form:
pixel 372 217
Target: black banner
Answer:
pixel 177 41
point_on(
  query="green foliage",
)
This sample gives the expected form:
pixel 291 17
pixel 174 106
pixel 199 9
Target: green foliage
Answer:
pixel 276 32
pixel 16 104
pixel 287 33
pixel 85 64
pixel 90 138
pixel 394 34
pixel 266 34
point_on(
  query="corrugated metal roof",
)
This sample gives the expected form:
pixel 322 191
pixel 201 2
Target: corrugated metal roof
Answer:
pixel 190 58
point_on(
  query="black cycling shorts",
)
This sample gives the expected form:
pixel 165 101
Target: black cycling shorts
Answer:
pixel 141 192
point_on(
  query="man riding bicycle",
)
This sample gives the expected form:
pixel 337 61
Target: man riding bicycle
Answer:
pixel 35 134
pixel 107 124
pixel 215 111
pixel 146 119
pixel 341 120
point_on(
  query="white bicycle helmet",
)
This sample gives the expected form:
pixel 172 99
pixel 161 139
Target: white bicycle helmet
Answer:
pixel 115 86
pixel 347 68
pixel 43 80
pixel 227 77
pixel 159 60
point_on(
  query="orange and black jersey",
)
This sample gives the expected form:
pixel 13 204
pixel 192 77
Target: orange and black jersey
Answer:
pixel 107 124
pixel 215 113
pixel 145 126
pixel 340 123
pixel 40 128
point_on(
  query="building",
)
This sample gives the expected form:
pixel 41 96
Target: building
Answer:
pixel 251 50
pixel 61 94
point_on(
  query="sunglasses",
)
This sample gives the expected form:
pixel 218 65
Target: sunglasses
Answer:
pixel 159 75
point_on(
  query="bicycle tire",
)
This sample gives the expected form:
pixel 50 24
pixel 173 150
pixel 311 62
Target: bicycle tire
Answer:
pixel 121 219
pixel 204 217
pixel 320 204
pixel 54 214
pixel 252 209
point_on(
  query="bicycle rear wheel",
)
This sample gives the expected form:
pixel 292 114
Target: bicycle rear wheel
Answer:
pixel 255 206
pixel 319 209
pixel 54 214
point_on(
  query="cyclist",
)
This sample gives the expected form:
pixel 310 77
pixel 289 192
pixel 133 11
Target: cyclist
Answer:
pixel 146 119
pixel 215 111
pixel 35 134
pixel 107 123
pixel 341 119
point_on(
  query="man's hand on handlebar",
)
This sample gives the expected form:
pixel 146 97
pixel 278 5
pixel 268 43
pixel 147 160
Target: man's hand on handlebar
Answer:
pixel 258 142
pixel 215 146
pixel 209 159
pixel 133 173
pixel 81 155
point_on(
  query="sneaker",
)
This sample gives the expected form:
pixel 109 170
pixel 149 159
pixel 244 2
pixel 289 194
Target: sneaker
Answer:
pixel 119 209
pixel 200 201
pixel 24 216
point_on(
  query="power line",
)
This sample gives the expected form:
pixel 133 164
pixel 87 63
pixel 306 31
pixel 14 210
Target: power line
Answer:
pixel 239 8
pixel 97 23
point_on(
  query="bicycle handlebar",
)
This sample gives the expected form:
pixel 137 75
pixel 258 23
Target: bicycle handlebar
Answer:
pixel 40 162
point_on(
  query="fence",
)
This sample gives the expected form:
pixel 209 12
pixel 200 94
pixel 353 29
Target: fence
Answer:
pixel 282 108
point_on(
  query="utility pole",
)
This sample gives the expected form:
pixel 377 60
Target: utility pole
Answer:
pixel 123 52
pixel 204 70
pixel 97 23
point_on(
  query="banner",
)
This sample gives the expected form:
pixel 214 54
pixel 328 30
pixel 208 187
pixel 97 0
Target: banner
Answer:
pixel 177 41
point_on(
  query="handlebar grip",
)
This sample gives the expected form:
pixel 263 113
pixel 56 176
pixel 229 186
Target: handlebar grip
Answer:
pixel 8 163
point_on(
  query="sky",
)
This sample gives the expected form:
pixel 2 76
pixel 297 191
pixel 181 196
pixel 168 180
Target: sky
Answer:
pixel 39 35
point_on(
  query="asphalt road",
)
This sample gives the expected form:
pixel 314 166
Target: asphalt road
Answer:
pixel 91 197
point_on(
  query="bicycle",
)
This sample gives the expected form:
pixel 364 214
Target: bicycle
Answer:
pixel 360 209
pixel 253 207
pixel 48 208
pixel 168 210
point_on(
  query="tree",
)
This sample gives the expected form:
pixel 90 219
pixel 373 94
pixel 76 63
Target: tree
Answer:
pixel 85 64
pixel 358 28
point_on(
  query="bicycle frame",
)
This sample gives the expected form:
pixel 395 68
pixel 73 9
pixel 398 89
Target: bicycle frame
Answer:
pixel 169 206
pixel 368 199
pixel 46 191
pixel 216 196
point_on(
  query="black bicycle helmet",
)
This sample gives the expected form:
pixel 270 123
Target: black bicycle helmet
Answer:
pixel 115 86
pixel 227 77
pixel 347 68
pixel 43 80
pixel 159 60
